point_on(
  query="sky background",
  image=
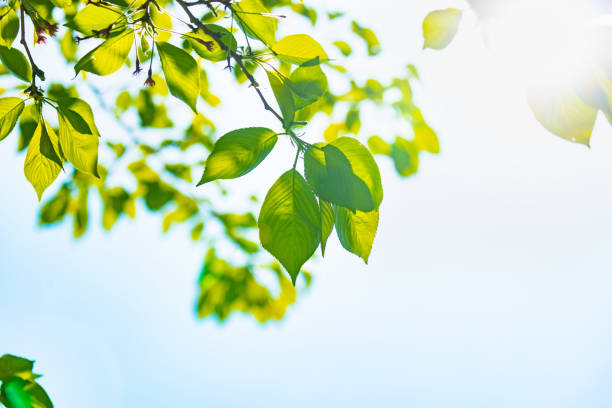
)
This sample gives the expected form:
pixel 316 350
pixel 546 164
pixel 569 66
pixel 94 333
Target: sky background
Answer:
pixel 488 286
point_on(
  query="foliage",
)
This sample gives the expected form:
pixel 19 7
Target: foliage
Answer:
pixel 19 388
pixel 175 45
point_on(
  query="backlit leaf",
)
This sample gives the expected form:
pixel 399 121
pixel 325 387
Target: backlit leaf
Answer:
pixel 181 73
pixel 95 18
pixel 9 26
pixel 252 16
pixel 405 157
pixel 39 169
pixel 109 56
pixel 344 173
pixel 237 153
pixel 307 84
pixel 78 134
pixel 356 231
pixel 207 47
pixel 284 96
pixel 10 109
pixel 440 27
pixel 298 49
pixel 16 63
pixel 290 223
pixel 327 222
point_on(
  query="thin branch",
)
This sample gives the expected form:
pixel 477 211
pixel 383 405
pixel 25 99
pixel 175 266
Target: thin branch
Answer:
pixel 233 54
pixel 35 70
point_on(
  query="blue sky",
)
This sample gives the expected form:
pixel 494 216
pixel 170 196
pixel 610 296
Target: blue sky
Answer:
pixel 489 283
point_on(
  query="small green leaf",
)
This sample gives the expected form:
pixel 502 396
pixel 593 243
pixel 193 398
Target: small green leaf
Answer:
pixel 68 46
pixel 562 112
pixel 425 138
pixel 284 96
pixel 238 152
pixel 78 134
pixel 298 49
pixel 308 84
pixel 440 27
pixel 109 56
pixel 16 63
pixel 290 223
pixel 344 173
pixel 39 169
pixel 369 37
pixel 61 3
pixel 344 48
pixel 181 73
pixel 163 24
pixel 95 18
pixel 20 393
pixel 405 157
pixel 10 109
pixel 9 26
pixel 327 222
pixel 356 230
pixel 13 366
pixel 207 47
pixel 253 17
pixel 378 146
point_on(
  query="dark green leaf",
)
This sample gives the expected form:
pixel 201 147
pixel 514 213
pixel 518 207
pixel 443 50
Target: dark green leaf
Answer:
pixel 11 366
pixel 16 63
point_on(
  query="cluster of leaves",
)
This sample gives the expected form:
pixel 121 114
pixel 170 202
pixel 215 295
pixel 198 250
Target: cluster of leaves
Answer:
pixel 567 107
pixel 340 187
pixel 19 387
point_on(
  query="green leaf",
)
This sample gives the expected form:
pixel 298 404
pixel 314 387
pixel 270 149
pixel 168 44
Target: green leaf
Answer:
pixel 20 393
pixel 41 166
pixel 238 152
pixel 284 96
pixel 298 49
pixel 440 27
pixel 290 223
pixel 379 146
pixel 327 222
pixel 78 134
pixel 356 230
pixel 308 84
pixel 344 173
pixel 562 112
pixel 344 48
pixel 425 138
pixel 61 3
pixel 12 366
pixel 10 109
pixel 405 157
pixel 181 73
pixel 95 18
pixel 9 26
pixel 16 63
pixel 369 37
pixel 28 121
pixel 109 56
pixel 207 47
pixel 163 22
pixel 68 46
pixel 252 17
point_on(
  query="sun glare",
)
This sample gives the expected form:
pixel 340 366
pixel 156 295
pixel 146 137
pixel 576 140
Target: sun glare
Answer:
pixel 548 41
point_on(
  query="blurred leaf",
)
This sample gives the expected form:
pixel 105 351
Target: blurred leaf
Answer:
pixel 405 157
pixel 9 26
pixel 440 27
pixel 13 366
pixel 426 139
pixel 369 37
pixel 378 146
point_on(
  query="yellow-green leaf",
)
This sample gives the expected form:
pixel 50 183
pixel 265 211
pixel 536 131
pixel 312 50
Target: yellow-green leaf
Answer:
pixel 41 168
pixel 254 18
pixel 95 18
pixel 299 49
pixel 109 56
pixel 425 138
pixel 78 134
pixel 284 96
pixel 356 230
pixel 208 47
pixel 405 157
pixel 562 112
pixel 379 146
pixel 10 109
pixel 181 73
pixel 440 27
pixel 290 223
pixel 327 222
pixel 238 152
pixel 9 26
pixel 307 84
